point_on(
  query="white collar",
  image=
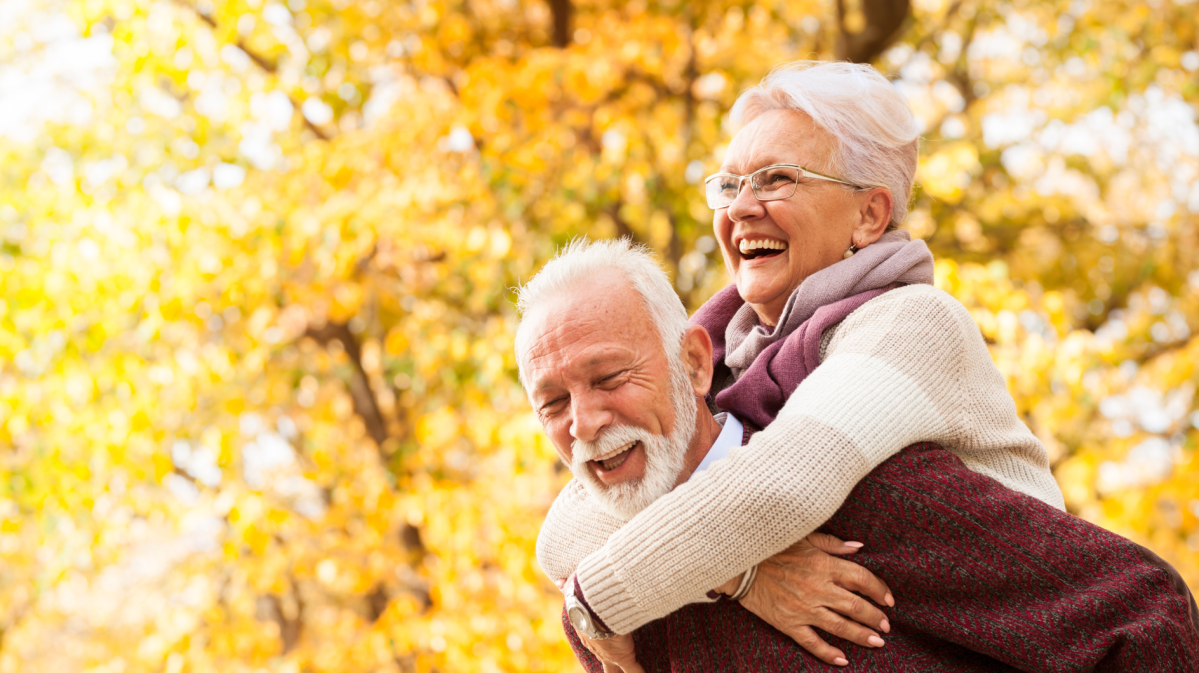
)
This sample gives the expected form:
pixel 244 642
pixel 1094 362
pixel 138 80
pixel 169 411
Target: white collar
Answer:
pixel 730 437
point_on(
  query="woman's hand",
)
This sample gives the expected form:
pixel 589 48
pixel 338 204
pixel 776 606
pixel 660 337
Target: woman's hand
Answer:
pixel 804 587
pixel 616 653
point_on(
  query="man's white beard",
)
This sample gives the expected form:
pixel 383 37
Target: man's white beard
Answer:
pixel 664 454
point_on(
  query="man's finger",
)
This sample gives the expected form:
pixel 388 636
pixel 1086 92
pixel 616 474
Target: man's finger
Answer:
pixel 856 578
pixel 807 638
pixel 831 544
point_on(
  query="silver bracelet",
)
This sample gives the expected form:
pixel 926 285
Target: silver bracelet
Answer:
pixel 747 581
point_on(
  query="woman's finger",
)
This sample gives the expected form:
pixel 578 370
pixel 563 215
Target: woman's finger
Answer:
pixel 616 655
pixel 856 578
pixel 807 638
pixel 845 629
pixel 831 544
pixel 858 609
pixel 622 668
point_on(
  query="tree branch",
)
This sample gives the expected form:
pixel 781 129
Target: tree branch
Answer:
pixel 290 628
pixel 959 75
pixel 949 16
pixel 884 21
pixel 261 61
pixel 363 397
pixel 12 620
pixel 376 602
pixel 258 59
pixel 623 229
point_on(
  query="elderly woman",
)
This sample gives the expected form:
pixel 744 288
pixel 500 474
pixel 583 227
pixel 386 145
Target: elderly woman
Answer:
pixel 833 340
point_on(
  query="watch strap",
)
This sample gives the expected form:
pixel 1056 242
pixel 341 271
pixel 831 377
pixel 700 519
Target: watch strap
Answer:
pixel 576 592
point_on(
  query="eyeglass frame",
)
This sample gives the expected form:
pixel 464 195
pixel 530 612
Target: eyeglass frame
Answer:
pixel 742 178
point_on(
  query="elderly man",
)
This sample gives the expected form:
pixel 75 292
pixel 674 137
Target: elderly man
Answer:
pixel 986 578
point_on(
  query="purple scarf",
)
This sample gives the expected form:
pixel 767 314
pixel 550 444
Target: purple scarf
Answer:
pixel 770 363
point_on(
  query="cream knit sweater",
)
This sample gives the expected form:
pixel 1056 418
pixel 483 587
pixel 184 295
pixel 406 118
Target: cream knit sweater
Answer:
pixel 907 366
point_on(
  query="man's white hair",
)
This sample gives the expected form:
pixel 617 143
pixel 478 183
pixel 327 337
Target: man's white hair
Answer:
pixel 877 137
pixel 573 270
pixel 579 262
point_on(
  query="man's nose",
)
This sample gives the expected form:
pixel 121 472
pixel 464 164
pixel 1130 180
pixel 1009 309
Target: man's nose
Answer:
pixel 746 206
pixel 589 416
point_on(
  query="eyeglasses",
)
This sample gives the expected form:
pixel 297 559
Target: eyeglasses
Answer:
pixel 771 183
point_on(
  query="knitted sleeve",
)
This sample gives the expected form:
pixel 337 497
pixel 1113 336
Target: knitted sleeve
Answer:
pixel 908 366
pixel 574 527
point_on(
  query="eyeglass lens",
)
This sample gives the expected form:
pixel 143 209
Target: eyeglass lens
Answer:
pixel 769 184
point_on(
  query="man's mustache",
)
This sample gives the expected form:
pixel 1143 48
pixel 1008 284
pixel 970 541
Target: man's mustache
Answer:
pixel 613 439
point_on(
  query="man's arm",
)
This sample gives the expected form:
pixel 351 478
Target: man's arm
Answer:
pixel 897 375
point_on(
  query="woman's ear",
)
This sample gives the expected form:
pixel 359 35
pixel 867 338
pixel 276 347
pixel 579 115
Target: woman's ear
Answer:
pixel 697 358
pixel 874 214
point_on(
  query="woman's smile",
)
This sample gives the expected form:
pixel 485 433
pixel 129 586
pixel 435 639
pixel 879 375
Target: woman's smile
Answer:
pixel 751 248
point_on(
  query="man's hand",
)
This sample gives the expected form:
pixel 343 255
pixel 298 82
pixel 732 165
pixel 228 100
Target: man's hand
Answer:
pixel 803 586
pixel 616 653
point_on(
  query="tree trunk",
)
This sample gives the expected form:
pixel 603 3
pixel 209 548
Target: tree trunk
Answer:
pixel 884 21
pixel 563 13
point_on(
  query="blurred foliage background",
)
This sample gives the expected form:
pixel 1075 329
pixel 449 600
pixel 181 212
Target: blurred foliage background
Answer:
pixel 258 408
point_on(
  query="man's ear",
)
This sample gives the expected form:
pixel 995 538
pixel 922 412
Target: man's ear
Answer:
pixel 874 214
pixel 697 358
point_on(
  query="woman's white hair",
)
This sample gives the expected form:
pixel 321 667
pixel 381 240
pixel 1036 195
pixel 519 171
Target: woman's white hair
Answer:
pixel 877 137
pixel 579 262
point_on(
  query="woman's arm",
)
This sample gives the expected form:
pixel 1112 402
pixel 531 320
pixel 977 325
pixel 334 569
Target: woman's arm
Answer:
pixel 574 527
pixel 818 586
pixel 898 371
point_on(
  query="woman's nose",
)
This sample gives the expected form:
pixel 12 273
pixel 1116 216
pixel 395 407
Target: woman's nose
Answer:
pixel 746 206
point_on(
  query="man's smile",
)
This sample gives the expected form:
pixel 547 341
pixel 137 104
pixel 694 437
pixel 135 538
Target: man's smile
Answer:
pixel 609 468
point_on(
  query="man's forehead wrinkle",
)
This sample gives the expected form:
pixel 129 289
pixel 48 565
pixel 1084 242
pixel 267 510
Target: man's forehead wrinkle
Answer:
pixel 589 349
pixel 558 337
pixel 607 354
pixel 606 295
pixel 581 330
pixel 602 291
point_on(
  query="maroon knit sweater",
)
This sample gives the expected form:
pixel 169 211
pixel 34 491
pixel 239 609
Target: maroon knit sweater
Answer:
pixel 985 579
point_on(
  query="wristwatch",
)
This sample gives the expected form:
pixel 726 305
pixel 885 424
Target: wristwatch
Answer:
pixel 580 617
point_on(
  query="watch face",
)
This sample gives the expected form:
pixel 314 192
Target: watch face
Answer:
pixel 578 618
